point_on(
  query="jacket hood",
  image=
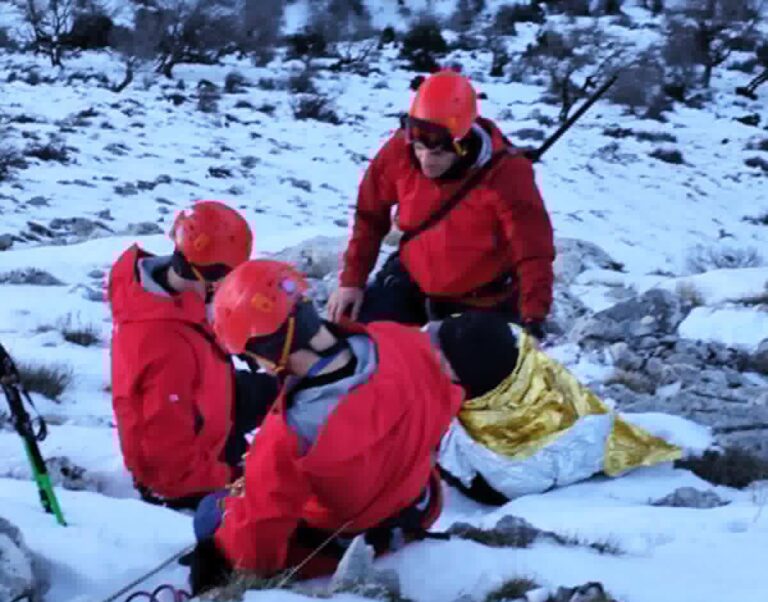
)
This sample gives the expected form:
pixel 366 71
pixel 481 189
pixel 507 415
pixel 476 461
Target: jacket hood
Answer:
pixel 136 297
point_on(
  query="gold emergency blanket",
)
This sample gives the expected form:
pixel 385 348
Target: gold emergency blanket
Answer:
pixel 539 401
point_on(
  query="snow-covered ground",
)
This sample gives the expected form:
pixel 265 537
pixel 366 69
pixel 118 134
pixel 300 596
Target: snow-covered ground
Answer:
pixel 136 158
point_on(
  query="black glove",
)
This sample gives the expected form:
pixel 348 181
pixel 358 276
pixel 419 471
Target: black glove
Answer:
pixel 207 567
pixel 535 329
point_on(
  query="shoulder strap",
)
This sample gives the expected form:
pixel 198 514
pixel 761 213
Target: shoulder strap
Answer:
pixel 457 196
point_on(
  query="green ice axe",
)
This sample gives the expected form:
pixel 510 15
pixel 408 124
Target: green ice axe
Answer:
pixel 15 393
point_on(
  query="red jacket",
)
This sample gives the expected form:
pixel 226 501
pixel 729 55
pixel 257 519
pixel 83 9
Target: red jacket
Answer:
pixel 172 386
pixel 372 457
pixel 500 227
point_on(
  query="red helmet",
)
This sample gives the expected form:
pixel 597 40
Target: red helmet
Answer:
pixel 447 99
pixel 255 300
pixel 211 233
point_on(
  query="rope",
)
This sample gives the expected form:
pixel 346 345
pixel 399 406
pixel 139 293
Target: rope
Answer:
pixel 314 553
pixel 149 574
pixel 179 595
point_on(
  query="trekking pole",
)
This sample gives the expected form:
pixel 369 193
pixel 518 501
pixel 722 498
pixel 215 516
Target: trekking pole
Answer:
pixel 15 393
pixel 536 154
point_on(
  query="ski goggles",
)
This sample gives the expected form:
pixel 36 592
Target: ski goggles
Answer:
pixel 431 135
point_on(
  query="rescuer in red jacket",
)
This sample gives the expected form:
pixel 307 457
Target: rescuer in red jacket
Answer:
pixel 349 446
pixel 493 250
pixel 173 386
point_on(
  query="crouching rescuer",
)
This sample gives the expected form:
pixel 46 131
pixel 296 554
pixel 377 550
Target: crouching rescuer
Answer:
pixel 348 447
pixel 476 234
pixel 174 388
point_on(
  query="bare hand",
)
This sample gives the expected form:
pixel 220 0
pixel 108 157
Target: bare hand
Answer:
pixel 342 299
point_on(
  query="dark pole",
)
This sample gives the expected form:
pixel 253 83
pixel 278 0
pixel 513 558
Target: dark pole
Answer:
pixel 535 155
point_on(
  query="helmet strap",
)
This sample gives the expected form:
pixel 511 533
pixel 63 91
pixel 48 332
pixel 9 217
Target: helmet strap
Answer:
pixel 287 343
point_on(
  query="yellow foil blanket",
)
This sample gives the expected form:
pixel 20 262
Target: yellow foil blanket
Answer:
pixel 539 401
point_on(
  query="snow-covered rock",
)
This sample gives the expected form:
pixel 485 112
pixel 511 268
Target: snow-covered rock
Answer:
pixel 19 578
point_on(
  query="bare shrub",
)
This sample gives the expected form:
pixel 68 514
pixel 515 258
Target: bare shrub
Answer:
pixel 53 150
pixel 761 57
pixel 705 33
pixel 689 295
pixel 235 82
pixel 509 15
pixel 757 220
pixel 732 467
pixel 302 83
pixel 315 106
pixel 48 22
pixel 90 30
pixel 574 63
pixel 6 40
pixel 261 28
pixel 10 160
pixel 702 258
pixel 574 8
pixel 511 590
pixel 79 333
pixel 49 380
pixel 423 44
pixel 668 155
pixel 307 45
pixel 465 13
pixel 640 88
pixel 208 97
pixel 341 20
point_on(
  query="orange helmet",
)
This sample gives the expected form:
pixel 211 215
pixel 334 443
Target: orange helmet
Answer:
pixel 256 300
pixel 447 99
pixel 211 233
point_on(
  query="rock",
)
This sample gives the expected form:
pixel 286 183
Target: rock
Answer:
pixel 510 532
pixel 19 575
pixel 590 592
pixel 355 574
pixel 127 189
pixel 80 227
pixel 38 201
pixel 690 497
pixel 65 473
pixel 758 361
pixel 143 228
pixel 656 312
pixel 575 256
pixel 623 357
pixel 30 276
pixel 316 257
pixel 567 308
pixel 6 242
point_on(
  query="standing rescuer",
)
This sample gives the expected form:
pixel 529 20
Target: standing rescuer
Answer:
pixel 173 386
pixel 348 447
pixel 476 232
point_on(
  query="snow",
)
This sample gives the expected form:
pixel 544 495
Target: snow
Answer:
pixel 691 437
pixel 735 326
pixel 660 545
pixel 102 547
pixel 720 286
pixel 301 182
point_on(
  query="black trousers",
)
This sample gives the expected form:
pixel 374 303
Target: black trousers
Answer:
pixel 395 297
